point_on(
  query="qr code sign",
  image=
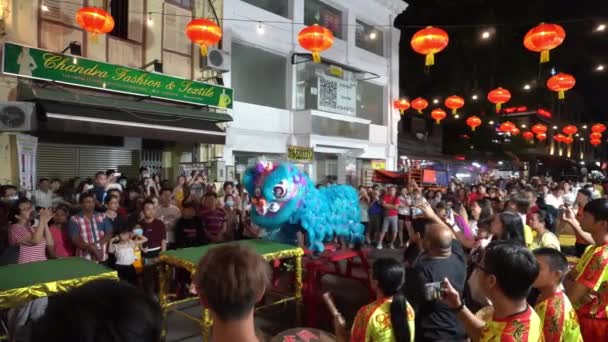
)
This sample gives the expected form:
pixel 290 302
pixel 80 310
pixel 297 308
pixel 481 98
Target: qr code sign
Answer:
pixel 328 91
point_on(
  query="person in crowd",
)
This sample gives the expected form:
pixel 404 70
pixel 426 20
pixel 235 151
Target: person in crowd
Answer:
pixel 90 231
pixel 556 197
pixel 123 247
pixel 100 188
pixel 583 197
pixel 8 254
pixel 102 310
pixel 375 214
pixel 150 188
pixel 34 244
pixel 154 230
pixel 405 216
pixel 157 183
pixel 364 209
pixel 434 319
pixel 213 218
pixel 179 191
pixel 168 213
pixel 544 237
pixel 227 189
pixel 56 184
pixel 112 180
pixel 230 280
pixel 560 322
pixel 64 247
pixel 480 210
pixel 390 317
pixel 414 246
pixel 587 284
pixel 112 204
pixel 9 194
pixel 520 203
pixel 121 210
pixel 44 196
pixel 197 187
pixel 390 203
pixel 232 218
pixel 508 226
pixel 250 229
pixel 508 271
pixel 188 229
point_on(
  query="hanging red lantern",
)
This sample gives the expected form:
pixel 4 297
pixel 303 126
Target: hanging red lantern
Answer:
pixel 204 33
pixel 568 140
pixel 506 127
pixel 515 131
pixel 595 142
pixel 560 83
pixel 420 104
pixel 454 103
pixel 570 130
pixel 95 20
pixel 528 135
pixel 559 137
pixel 541 136
pixel 473 122
pixel 438 114
pixel 499 96
pixel 402 105
pixel 428 42
pixel 599 128
pixel 316 39
pixel 543 38
pixel 595 135
pixel 539 128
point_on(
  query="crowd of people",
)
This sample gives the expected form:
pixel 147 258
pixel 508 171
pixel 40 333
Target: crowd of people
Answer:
pixel 481 262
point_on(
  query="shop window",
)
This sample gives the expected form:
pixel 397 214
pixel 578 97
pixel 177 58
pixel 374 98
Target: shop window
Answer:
pixel 251 80
pixel 120 12
pixel 370 102
pixel 182 3
pixel 369 38
pixel 280 7
pixel 317 12
pixel 338 128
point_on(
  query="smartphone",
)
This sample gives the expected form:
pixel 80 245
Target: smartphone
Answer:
pixel 117 174
pixel 433 291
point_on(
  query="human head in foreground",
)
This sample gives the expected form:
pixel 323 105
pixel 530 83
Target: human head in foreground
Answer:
pixel 230 280
pixel 100 311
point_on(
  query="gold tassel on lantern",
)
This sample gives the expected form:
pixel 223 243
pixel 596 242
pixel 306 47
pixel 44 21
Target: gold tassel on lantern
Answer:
pixel 204 51
pixel 498 107
pixel 316 57
pixel 561 95
pixel 544 56
pixel 430 59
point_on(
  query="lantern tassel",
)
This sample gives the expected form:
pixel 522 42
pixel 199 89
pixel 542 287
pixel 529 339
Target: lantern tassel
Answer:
pixel 419 111
pixel 473 128
pixel 561 95
pixel 498 106
pixel 454 110
pixel 544 56
pixel 438 121
pixel 401 111
pixel 430 59
pixel 204 51
pixel 316 57
pixel 94 37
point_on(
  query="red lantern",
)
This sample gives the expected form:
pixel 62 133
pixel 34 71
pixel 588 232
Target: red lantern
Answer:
pixel 595 142
pixel 420 104
pixel 559 137
pixel 473 122
pixel 454 103
pixel 560 83
pixel 402 105
pixel 528 135
pixel 204 33
pixel 543 38
pixel 570 130
pixel 438 114
pixel 541 136
pixel 595 135
pixel 499 96
pixel 316 39
pixel 428 42
pixel 95 21
pixel 539 128
pixel 515 131
pixel 599 128
pixel 568 140
pixel 506 126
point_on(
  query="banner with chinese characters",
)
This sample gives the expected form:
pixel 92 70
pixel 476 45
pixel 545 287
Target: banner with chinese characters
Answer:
pixel 40 64
pixel 299 154
pixel 378 164
pixel 336 95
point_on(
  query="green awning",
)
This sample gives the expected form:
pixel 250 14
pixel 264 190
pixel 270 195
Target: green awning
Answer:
pixel 60 94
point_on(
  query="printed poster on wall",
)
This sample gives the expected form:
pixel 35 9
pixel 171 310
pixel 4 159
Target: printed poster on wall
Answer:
pixel 336 95
pixel 27 146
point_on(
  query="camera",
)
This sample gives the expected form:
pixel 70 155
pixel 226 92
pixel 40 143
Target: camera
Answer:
pixel 433 291
pixel 90 187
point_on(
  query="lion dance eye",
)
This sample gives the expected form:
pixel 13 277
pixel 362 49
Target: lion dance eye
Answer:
pixel 279 191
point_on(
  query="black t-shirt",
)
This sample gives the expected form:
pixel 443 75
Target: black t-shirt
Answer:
pixel 188 232
pixel 434 320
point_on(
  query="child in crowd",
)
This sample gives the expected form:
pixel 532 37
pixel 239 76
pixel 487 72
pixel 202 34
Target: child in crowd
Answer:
pixel 188 229
pixel 560 322
pixel 59 229
pixel 154 230
pixel 123 247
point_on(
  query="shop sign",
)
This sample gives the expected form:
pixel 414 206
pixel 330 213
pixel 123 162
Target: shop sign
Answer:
pixel 40 64
pixel 336 95
pixel 299 154
pixel 378 164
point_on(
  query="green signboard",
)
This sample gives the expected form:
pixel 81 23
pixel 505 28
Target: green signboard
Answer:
pixel 40 64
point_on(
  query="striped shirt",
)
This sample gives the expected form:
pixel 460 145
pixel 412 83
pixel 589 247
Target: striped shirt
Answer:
pixel 522 327
pixel 27 253
pixel 91 231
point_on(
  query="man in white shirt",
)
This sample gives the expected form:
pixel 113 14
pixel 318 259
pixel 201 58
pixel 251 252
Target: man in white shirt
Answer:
pixel 556 197
pixel 43 197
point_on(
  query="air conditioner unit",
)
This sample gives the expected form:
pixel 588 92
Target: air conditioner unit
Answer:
pixel 17 116
pixel 217 60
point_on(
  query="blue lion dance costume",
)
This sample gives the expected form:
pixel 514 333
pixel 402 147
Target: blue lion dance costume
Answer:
pixel 284 199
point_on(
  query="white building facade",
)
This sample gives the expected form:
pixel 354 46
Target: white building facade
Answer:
pixel 339 111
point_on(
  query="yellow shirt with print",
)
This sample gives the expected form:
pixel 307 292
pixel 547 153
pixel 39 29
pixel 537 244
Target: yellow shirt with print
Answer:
pixel 522 327
pixel 373 323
